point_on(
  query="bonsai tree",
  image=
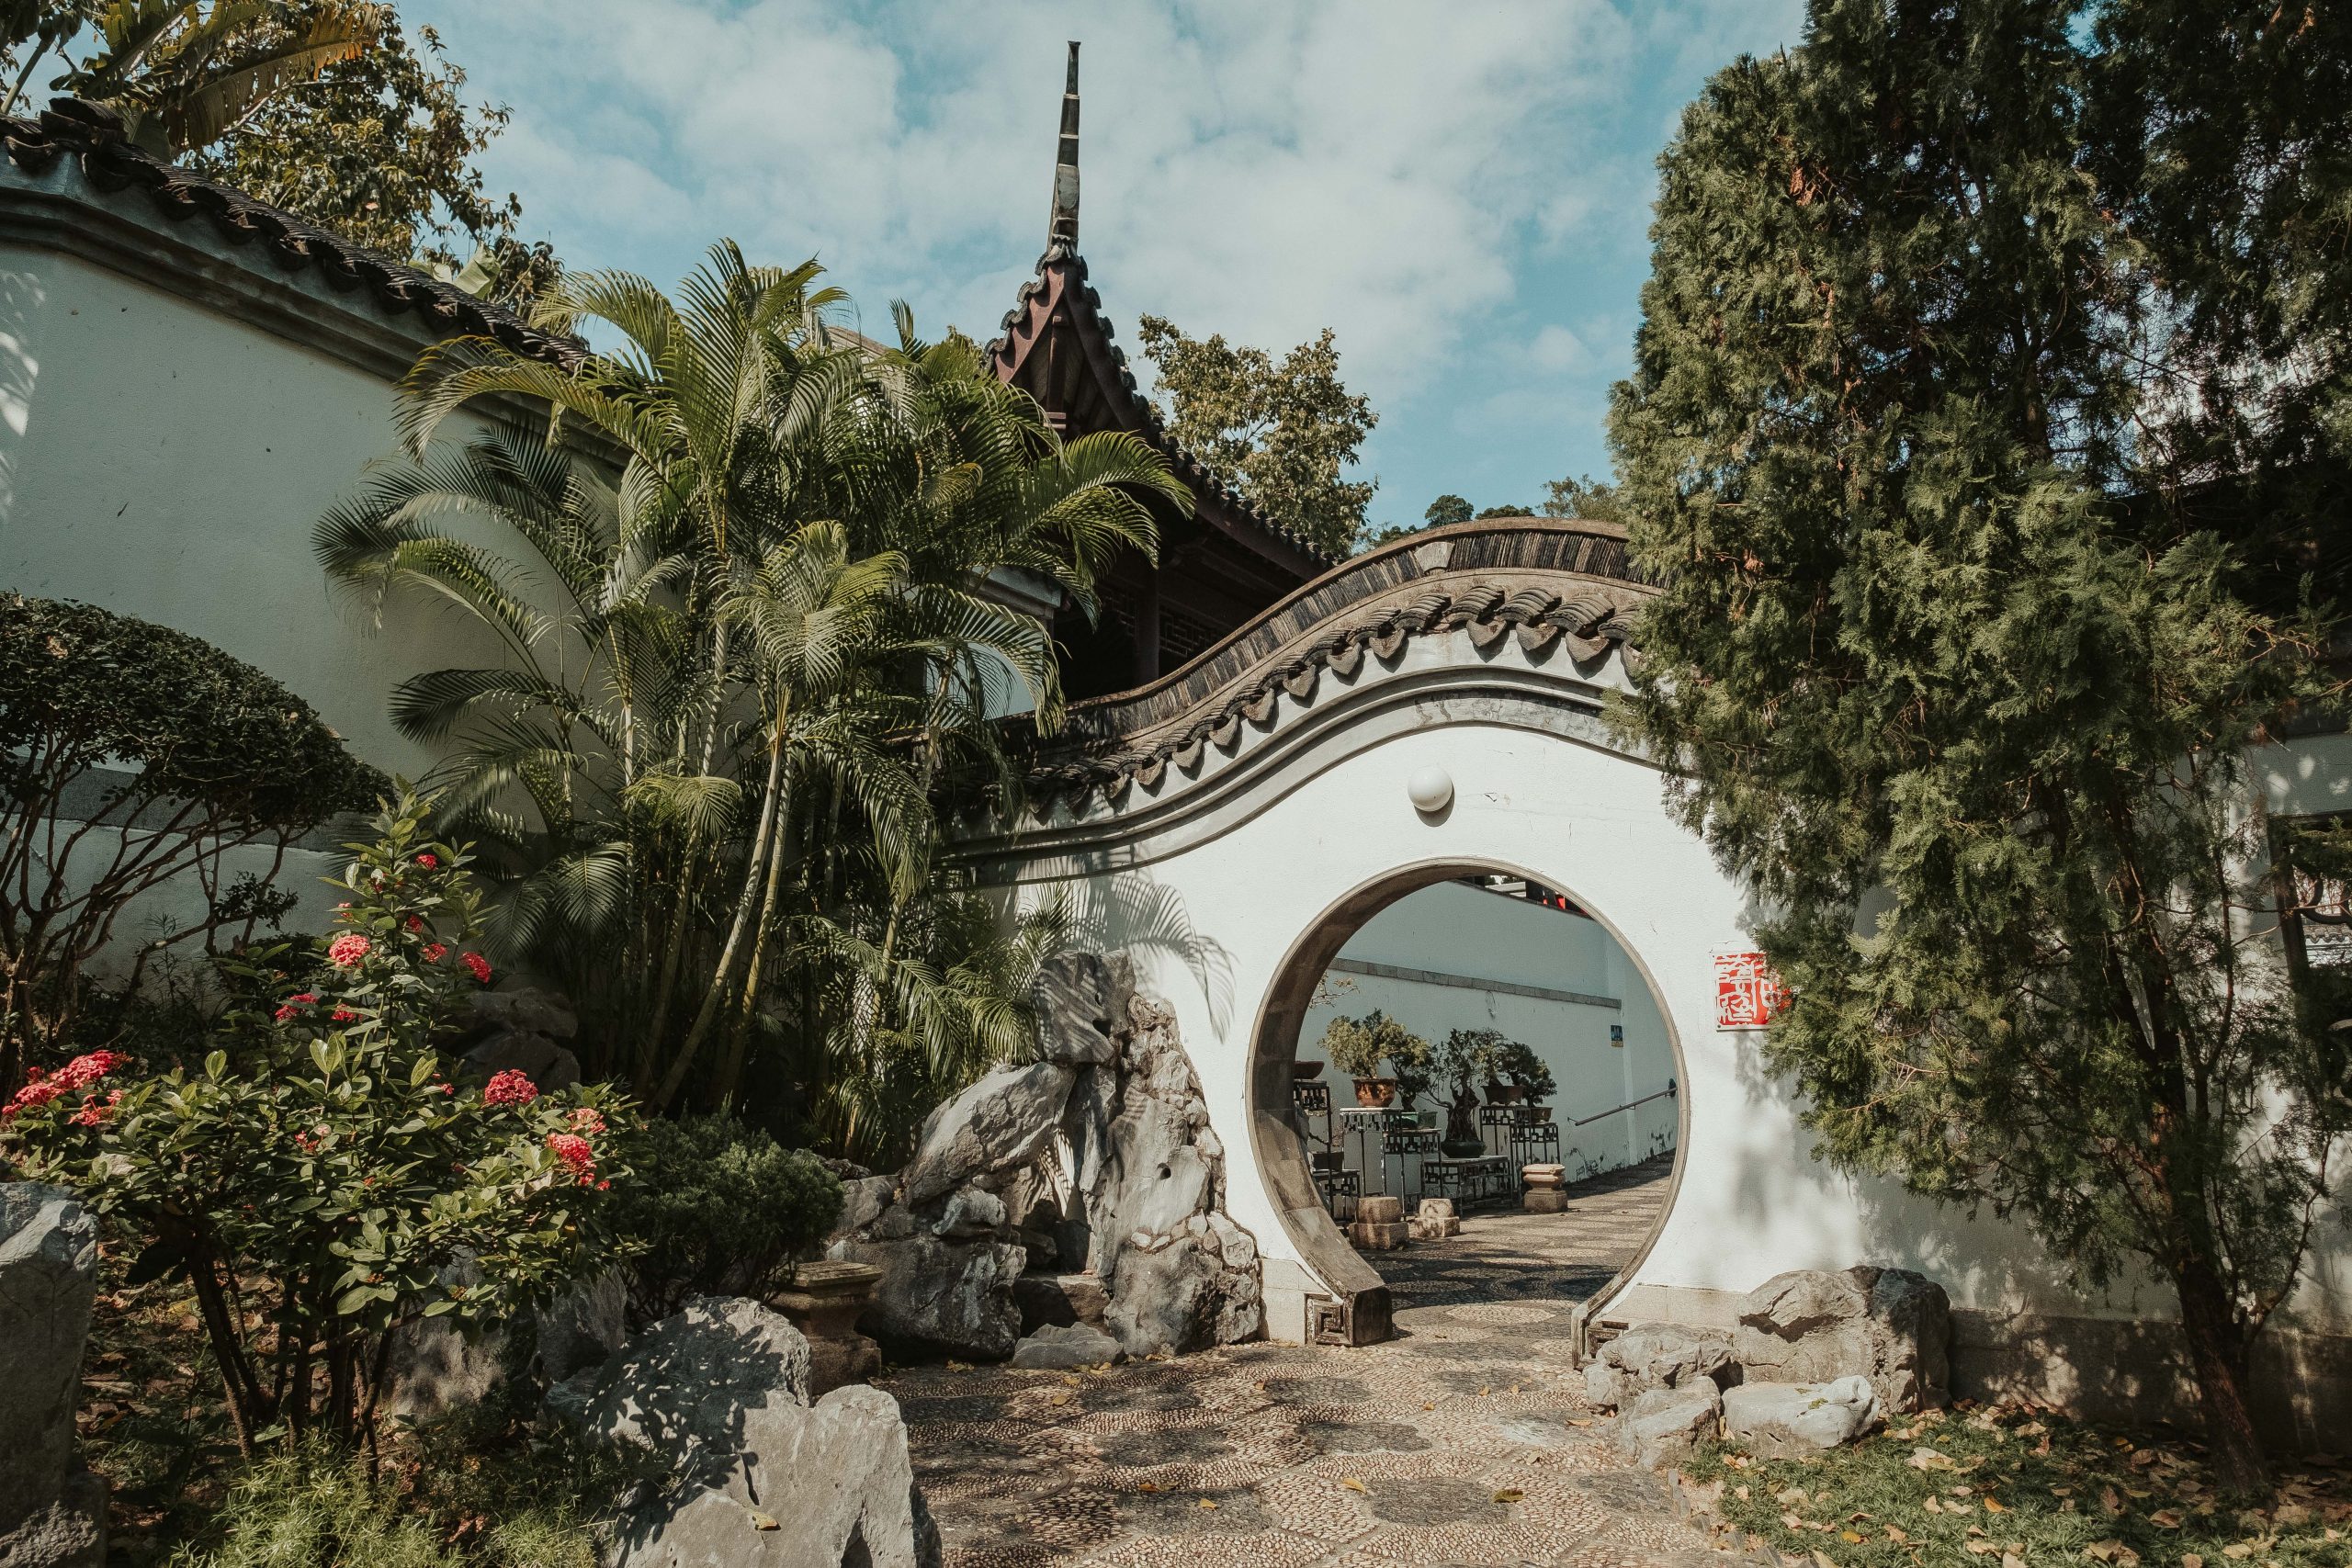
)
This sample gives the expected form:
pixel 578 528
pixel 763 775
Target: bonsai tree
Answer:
pixel 133 756
pixel 1464 1060
pixel 1525 1070
pixel 1360 1047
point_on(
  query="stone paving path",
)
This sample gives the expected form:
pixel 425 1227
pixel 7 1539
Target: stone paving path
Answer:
pixel 1465 1440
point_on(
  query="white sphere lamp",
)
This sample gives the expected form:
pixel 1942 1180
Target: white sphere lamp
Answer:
pixel 1430 790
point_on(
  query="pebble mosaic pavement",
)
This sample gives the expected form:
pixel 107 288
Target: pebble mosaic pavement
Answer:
pixel 1465 1440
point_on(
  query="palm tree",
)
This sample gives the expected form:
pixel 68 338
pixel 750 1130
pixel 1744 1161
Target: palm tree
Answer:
pixel 738 662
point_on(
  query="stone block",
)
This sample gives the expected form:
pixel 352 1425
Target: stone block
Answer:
pixel 1779 1418
pixel 1377 1236
pixel 1380 1209
pixel 49 1275
pixel 1543 1200
pixel 1665 1425
pixel 1890 1326
pixel 1657 1354
pixel 955 1296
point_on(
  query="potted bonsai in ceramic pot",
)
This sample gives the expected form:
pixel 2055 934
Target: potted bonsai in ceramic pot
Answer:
pixel 1526 1073
pixel 1362 1048
pixel 1464 1058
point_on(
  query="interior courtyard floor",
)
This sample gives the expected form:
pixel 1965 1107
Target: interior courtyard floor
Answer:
pixel 1466 1439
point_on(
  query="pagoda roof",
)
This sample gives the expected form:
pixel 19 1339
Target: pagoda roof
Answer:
pixel 1058 346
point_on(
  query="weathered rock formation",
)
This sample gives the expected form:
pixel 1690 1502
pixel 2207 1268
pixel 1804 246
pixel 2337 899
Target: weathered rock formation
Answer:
pixel 1657 1354
pixel 53 1513
pixel 765 1479
pixel 1888 1325
pixel 434 1365
pixel 1666 1424
pixel 1095 1163
pixel 1800 1417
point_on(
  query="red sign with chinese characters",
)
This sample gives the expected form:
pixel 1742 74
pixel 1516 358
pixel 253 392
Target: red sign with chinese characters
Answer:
pixel 1746 992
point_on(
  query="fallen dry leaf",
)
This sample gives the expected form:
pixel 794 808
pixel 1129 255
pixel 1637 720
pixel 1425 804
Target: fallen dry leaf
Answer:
pixel 1206 1504
pixel 1849 1535
pixel 760 1521
pixel 2169 1518
pixel 1509 1495
pixel 1572 1420
pixel 1898 1537
pixel 1823 1560
pixel 1980 1548
pixel 1929 1458
pixel 1352 1484
pixel 1932 1505
pixel 2109 1500
pixel 1995 1506
pixel 2192 1559
pixel 1147 1486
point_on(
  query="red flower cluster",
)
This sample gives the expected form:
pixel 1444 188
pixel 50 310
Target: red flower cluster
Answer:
pixel 341 1015
pixel 79 1073
pixel 586 1120
pixel 428 861
pixel 94 1110
pixel 416 922
pixel 292 1006
pixel 511 1087
pixel 577 1155
pixel 348 949
pixel 478 966
pixel 434 952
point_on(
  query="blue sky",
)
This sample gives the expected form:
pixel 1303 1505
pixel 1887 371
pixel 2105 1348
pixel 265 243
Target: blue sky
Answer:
pixel 1461 191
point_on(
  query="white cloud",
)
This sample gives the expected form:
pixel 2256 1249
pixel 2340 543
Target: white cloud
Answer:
pixel 1383 168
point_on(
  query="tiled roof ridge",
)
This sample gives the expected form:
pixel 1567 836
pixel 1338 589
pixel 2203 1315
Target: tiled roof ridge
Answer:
pixel 1553 585
pixel 1188 468
pixel 92 135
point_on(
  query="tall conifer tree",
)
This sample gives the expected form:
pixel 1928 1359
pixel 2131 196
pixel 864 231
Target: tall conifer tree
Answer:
pixel 1970 614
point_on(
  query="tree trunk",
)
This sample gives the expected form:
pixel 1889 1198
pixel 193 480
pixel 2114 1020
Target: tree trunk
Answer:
pixel 2217 1356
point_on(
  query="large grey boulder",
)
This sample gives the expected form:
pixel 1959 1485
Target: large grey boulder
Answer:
pixel 1186 1293
pixel 1799 1417
pixel 435 1365
pixel 686 1386
pixel 52 1514
pixel 939 1294
pixel 1890 1326
pixel 1075 999
pixel 764 1479
pixel 1657 1354
pixel 829 1485
pixel 1001 1122
pixel 1665 1425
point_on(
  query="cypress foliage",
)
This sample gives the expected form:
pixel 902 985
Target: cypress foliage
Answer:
pixel 1974 607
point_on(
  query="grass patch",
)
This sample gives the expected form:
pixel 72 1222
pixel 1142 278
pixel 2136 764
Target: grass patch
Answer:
pixel 2009 1487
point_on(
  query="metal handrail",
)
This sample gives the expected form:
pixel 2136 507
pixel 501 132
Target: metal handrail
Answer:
pixel 1666 1093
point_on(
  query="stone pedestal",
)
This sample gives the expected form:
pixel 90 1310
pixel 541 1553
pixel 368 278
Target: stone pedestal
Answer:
pixel 824 1301
pixel 1543 1189
pixel 1435 1220
pixel 1379 1235
pixel 1381 1209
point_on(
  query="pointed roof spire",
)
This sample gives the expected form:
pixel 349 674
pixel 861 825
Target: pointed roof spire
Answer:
pixel 1061 230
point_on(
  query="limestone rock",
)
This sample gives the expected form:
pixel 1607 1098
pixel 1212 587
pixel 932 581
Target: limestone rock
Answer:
pixel 955 1296
pixel 971 1212
pixel 1074 1010
pixel 1059 1349
pixel 49 1270
pixel 1435 1220
pixel 830 1485
pixel 999 1124
pixel 1663 1425
pixel 687 1385
pixel 1380 1235
pixel 1183 1296
pixel 1380 1209
pixel 68 1531
pixel 1799 1417
pixel 1060 1300
pixel 1890 1326
pixel 1657 1354
pixel 862 1200
pixel 584 1326
pixel 1543 1200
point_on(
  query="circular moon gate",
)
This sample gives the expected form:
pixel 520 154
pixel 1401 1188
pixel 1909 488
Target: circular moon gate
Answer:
pixel 1427 711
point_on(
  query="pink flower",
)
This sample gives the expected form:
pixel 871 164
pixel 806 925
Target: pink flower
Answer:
pixel 293 1005
pixel 435 953
pixel 428 861
pixel 416 922
pixel 511 1087
pixel 348 949
pixel 478 966
pixel 586 1120
pixel 37 1093
pixel 575 1153
pixel 88 1070
pixel 341 1015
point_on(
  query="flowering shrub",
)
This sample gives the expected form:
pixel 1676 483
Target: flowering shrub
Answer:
pixel 321 1166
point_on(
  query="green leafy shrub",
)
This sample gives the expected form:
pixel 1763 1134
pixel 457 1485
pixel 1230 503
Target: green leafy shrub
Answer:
pixel 321 1158
pixel 133 755
pixel 1360 1046
pixel 1520 1065
pixel 719 1208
